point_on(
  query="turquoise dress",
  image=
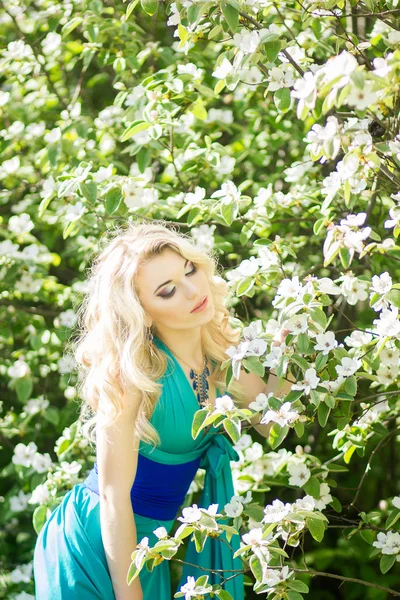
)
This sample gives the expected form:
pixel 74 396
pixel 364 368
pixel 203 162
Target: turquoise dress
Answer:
pixel 69 558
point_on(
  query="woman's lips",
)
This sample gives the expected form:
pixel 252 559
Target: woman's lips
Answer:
pixel 202 306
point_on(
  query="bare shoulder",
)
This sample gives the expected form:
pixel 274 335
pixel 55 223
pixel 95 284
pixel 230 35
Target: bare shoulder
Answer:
pixel 116 449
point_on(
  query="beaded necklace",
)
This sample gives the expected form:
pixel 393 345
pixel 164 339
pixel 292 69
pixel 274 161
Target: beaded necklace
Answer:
pixel 199 378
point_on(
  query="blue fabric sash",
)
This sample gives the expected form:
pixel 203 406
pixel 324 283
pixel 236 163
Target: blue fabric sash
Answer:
pixel 158 490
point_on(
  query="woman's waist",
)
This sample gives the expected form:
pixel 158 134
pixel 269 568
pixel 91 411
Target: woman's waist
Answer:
pixel 159 489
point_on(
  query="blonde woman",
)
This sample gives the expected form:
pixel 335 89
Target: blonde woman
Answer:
pixel 153 333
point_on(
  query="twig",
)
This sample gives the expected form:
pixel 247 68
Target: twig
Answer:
pixel 284 52
pixel 375 450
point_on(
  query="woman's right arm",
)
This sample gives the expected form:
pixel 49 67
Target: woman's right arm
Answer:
pixel 117 465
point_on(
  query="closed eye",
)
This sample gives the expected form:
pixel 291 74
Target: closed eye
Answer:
pixel 172 292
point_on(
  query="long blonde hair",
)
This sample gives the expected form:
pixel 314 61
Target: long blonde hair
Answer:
pixel 111 348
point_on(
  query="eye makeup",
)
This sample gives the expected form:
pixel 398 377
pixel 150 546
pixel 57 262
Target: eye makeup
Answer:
pixel 172 292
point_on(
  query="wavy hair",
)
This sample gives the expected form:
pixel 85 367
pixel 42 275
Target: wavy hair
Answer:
pixel 111 347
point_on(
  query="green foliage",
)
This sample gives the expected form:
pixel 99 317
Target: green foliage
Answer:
pixel 271 136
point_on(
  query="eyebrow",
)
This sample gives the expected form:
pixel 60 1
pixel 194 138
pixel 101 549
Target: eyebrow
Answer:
pixel 170 280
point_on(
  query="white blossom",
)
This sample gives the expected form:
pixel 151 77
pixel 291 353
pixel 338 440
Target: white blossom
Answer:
pixel 273 577
pixel 348 366
pixel 20 224
pixel 23 454
pixel 223 70
pixel 309 382
pixel 191 514
pixel 388 324
pixel 160 532
pixel 40 495
pixel 299 474
pixel 354 289
pixel 233 508
pixel 276 512
pixel 297 324
pixel 20 502
pixel 247 41
pixel 388 543
pixel 19 369
pixel 325 342
pixel 283 416
pixel 224 404
pixel 324 497
pixel 396 502
pixel 22 573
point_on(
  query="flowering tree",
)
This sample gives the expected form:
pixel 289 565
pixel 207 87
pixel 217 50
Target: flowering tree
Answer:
pixel 270 130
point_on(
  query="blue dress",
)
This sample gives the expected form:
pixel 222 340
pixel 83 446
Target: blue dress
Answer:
pixel 69 558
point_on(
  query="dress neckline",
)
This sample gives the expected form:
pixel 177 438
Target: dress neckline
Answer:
pixel 172 355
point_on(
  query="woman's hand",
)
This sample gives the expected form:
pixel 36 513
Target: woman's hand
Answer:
pixel 279 337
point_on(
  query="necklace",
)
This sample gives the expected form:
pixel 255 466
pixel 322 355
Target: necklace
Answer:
pixel 199 383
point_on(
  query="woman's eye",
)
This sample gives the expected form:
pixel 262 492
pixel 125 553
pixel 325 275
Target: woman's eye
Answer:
pixel 172 292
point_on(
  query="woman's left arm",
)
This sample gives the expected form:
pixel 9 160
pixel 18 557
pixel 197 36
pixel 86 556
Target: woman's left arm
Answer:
pixel 254 384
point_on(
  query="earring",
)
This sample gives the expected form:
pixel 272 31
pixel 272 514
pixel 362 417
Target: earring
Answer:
pixel 150 335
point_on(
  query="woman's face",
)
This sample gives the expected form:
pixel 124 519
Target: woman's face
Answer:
pixel 169 287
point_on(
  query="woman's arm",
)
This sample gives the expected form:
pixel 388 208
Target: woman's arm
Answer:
pixel 117 465
pixel 253 384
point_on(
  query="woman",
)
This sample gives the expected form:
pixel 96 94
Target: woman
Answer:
pixel 147 361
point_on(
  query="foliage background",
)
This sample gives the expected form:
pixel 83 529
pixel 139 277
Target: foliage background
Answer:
pixel 110 113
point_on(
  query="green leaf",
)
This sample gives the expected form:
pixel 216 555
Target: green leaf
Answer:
pixel 228 212
pixel 319 225
pixel 231 15
pixel 255 567
pixel 39 517
pixel 348 454
pixel 193 13
pixel 316 528
pixel 386 563
pixel 272 49
pixel 299 428
pixel 277 434
pixel 200 538
pixel 112 199
pixel 367 535
pixel 336 504
pixel 337 468
pixel 350 385
pixel 198 421
pixel 130 8
pixel 252 363
pixel 393 517
pixel 297 585
pixel 134 128
pixel 52 415
pixel 71 25
pixel 301 362
pixel 293 596
pixel 312 487
pixel 394 297
pixel 89 190
pixel 143 159
pixel 282 99
pixel 23 387
pixel 223 595
pixel 245 286
pixel 149 6
pixel 303 342
pixel 320 361
pixel 232 430
pixel 323 413
pixel 183 533
pixel 318 316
